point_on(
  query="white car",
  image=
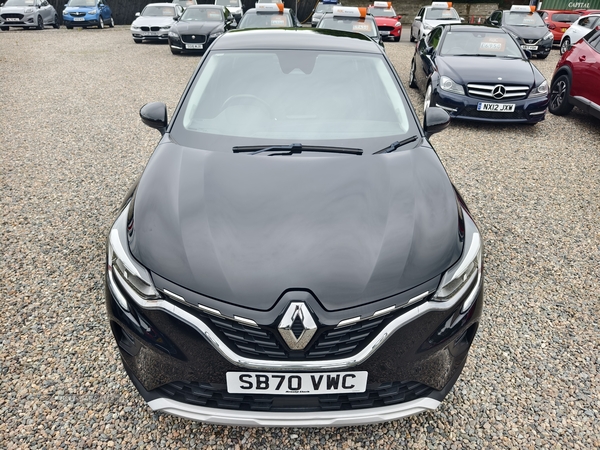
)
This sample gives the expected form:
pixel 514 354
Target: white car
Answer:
pixel 429 17
pixel 155 21
pixel 235 7
pixel 577 30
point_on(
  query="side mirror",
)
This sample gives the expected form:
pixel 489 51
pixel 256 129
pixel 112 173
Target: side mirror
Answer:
pixel 462 19
pixel 528 54
pixel 175 18
pixel 399 17
pixel 494 22
pixel 429 51
pixel 418 18
pixel 155 116
pixel 436 120
pixel 137 14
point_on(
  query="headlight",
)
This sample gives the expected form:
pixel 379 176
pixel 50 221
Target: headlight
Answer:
pixel 426 26
pixel 464 275
pixel 166 27
pixel 448 84
pixel 173 34
pixel 93 11
pixel 28 10
pixel 549 36
pixel 215 34
pixel 134 278
pixel 398 24
pixel 65 13
pixel 541 90
pixel 134 28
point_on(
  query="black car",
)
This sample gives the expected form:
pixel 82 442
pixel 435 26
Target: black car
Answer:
pixel 291 263
pixel 478 72
pixel 527 27
pixel 198 27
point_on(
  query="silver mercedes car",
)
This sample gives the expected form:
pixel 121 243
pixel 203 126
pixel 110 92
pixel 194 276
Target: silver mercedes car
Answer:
pixel 28 14
pixel 155 21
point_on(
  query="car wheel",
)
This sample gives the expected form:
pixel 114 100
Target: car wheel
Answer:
pixel 4 28
pixel 100 22
pixel 427 100
pixel 175 51
pixel 412 39
pixel 56 24
pixel 137 41
pixel 565 45
pixel 111 22
pixel 69 27
pixel 40 23
pixel 559 96
pixel 412 82
pixel 396 38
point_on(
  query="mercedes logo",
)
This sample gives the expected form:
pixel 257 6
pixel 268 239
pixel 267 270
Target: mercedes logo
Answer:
pixel 297 311
pixel 498 92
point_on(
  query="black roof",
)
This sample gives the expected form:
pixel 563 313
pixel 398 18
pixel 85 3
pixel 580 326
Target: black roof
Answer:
pixel 474 28
pixel 296 38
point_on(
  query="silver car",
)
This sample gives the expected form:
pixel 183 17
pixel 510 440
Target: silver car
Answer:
pixel 155 21
pixel 28 14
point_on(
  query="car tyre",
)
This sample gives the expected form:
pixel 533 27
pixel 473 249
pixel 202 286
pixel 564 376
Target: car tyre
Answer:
pixel 56 24
pixel 100 22
pixel 427 99
pixel 559 96
pixel 40 23
pixel 412 39
pixel 412 82
pixel 175 51
pixel 3 28
pixel 396 38
pixel 565 45
pixel 111 22
pixel 137 41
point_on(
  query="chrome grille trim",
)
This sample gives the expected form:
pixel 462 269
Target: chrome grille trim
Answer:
pixel 485 90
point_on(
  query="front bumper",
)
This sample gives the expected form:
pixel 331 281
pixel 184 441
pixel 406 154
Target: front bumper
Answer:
pixel 177 43
pixel 529 110
pixel 178 362
pixel 389 32
pixel 70 21
pixel 27 20
pixel 543 46
pixel 158 36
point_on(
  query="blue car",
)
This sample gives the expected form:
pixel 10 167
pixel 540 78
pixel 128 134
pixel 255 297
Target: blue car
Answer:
pixel 87 13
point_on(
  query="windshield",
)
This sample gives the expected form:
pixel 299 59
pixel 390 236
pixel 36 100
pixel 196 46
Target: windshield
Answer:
pixel 261 95
pixel 203 15
pixel 565 18
pixel 365 26
pixel 441 14
pixel 321 8
pixel 231 3
pixel 523 19
pixel 82 3
pixel 19 3
pixel 153 10
pixel 382 12
pixel 265 20
pixel 479 44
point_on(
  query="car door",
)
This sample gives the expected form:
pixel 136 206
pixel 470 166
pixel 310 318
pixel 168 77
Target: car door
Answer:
pixel 583 27
pixel 586 69
pixel 425 62
pixel 46 11
pixel 416 25
pixel 102 11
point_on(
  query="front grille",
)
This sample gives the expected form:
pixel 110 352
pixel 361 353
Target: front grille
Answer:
pixel 530 41
pixel 216 396
pixel 193 38
pixel 343 341
pixel 386 28
pixel 471 111
pixel 12 16
pixel 78 14
pixel 150 28
pixel 485 91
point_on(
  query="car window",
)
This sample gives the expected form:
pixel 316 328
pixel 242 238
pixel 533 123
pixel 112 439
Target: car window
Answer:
pixel 421 13
pixel 258 91
pixel 266 20
pixel 323 8
pixel 588 22
pixel 365 26
pixel 434 37
pixel 382 12
pixel 203 15
pixel 155 10
pixel 234 3
pixel 523 19
pixel 565 18
pixel 441 14
pixel 593 39
pixel 467 43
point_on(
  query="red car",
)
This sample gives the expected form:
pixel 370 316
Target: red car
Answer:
pixel 387 20
pixel 559 21
pixel 577 77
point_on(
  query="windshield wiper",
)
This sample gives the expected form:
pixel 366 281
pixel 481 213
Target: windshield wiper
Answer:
pixel 396 145
pixel 295 149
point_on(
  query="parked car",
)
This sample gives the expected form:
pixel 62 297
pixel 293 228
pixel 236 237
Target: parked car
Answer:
pixel 185 3
pixel 269 15
pixel 558 22
pixel 387 20
pixel 349 18
pixel 429 17
pixel 87 13
pixel 577 30
pixel 155 21
pixel 198 27
pixel 527 27
pixel 322 8
pixel 27 14
pixel 478 72
pixel 235 7
pixel 284 262
pixel 577 77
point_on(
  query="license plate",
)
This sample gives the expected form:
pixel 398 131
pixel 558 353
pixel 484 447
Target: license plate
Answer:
pixel 529 47
pixel 384 33
pixel 12 19
pixel 194 46
pixel 148 33
pixel 296 384
pixel 496 107
pixel 79 19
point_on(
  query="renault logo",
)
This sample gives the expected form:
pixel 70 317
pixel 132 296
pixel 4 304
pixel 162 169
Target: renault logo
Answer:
pixel 299 314
pixel 498 91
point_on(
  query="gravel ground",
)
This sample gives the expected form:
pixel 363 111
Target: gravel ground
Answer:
pixel 71 143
